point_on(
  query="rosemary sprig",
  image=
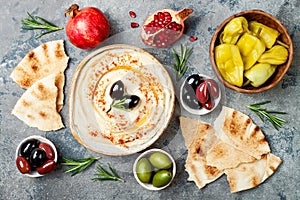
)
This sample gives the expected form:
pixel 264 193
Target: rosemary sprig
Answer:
pixel 77 165
pixel 104 175
pixel 263 114
pixel 119 104
pixel 180 65
pixel 32 23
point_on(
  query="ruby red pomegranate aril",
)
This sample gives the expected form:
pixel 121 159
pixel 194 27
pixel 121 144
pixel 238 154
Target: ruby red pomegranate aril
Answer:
pixel 134 25
pixel 132 14
pixel 164 27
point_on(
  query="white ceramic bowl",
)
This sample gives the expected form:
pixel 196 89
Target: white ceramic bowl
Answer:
pixel 146 154
pixel 203 110
pixel 34 173
pixel 119 133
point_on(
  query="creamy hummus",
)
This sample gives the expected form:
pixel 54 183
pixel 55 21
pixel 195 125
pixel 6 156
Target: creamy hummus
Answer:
pixel 142 76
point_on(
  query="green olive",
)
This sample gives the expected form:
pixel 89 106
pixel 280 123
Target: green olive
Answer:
pixel 160 160
pixel 161 178
pixel 144 170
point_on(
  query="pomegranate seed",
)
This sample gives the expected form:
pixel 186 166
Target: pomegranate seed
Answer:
pixel 193 38
pixel 134 25
pixel 132 14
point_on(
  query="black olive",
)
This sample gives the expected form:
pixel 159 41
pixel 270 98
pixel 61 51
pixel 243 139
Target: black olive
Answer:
pixel 131 101
pixel 189 97
pixel 194 80
pixel 38 157
pixel 117 90
pixel 27 147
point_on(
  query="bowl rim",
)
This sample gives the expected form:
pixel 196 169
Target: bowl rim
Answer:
pixel 221 26
pixel 34 173
pixel 149 186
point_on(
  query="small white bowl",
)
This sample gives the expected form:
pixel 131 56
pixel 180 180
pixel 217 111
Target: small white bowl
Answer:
pixel 34 173
pixel 203 110
pixel 146 154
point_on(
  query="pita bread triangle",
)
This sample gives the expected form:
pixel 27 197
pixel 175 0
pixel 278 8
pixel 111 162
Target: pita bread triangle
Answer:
pixel 224 156
pixel 199 138
pixel 37 106
pixel 48 58
pixel 237 129
pixel 250 175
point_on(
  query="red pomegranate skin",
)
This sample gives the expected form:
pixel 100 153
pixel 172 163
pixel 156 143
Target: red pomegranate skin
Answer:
pixel 88 28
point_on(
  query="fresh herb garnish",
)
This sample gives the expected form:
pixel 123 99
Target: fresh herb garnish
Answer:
pixel 32 23
pixel 104 175
pixel 180 66
pixel 119 104
pixel 263 113
pixel 77 165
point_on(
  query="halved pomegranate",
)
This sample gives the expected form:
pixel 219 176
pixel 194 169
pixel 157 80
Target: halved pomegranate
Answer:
pixel 164 27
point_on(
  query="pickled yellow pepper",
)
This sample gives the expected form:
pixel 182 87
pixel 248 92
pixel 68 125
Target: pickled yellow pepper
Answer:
pixel 251 48
pixel 277 55
pixel 230 63
pixel 260 73
pixel 233 30
pixel 267 34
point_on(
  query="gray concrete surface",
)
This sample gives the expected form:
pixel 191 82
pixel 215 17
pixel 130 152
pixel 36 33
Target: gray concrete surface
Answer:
pixel 14 44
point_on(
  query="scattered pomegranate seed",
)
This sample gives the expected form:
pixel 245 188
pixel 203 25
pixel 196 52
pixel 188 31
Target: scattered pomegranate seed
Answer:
pixel 193 38
pixel 132 14
pixel 134 25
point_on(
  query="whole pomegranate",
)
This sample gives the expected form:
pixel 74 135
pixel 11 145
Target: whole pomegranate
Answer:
pixel 164 27
pixel 87 27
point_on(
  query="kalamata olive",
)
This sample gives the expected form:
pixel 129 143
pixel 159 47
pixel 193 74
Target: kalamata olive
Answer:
pixel 189 98
pixel 213 88
pixel 37 157
pixel 23 165
pixel 194 80
pixel 117 90
pixel 28 146
pixel 47 167
pixel 131 101
pixel 202 92
pixel 209 104
pixel 160 160
pixel 161 178
pixel 144 170
pixel 48 150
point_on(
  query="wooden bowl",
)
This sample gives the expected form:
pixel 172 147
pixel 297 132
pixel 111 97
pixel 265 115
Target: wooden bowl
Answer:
pixel 270 21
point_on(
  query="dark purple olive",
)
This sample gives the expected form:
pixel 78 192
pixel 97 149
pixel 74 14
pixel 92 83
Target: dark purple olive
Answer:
pixel 202 92
pixel 27 147
pixel 209 104
pixel 131 101
pixel 23 165
pixel 117 90
pixel 194 80
pixel 46 167
pixel 189 97
pixel 37 157
pixel 213 88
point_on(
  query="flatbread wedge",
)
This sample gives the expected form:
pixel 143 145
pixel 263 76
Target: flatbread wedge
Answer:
pixel 199 138
pixel 224 156
pixel 250 175
pixel 37 106
pixel 48 58
pixel 238 129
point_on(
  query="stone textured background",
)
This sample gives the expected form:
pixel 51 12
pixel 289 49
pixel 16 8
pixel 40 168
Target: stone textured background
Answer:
pixel 14 44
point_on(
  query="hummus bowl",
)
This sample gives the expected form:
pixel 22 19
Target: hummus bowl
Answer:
pixel 107 129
